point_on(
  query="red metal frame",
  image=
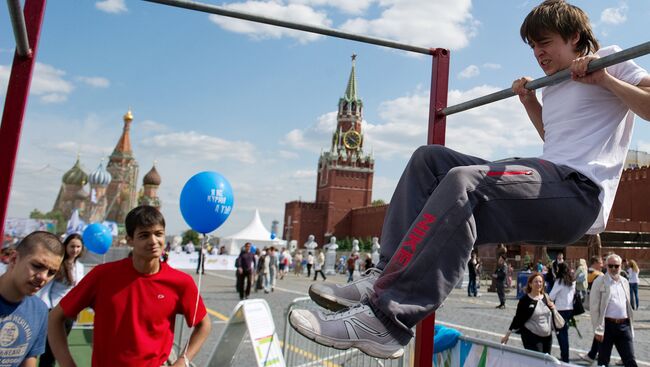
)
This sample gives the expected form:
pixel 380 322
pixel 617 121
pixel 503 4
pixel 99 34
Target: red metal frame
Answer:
pixel 424 332
pixel 15 103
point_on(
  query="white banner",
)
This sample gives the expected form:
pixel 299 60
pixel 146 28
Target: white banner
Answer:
pixel 184 260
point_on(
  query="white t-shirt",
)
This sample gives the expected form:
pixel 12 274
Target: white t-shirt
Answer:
pixel 588 128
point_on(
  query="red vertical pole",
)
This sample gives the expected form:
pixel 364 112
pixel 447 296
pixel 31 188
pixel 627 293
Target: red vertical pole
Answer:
pixel 437 101
pixel 15 103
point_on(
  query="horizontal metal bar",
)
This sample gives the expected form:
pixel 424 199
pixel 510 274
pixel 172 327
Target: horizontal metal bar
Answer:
pixel 603 62
pixel 213 9
pixel 20 30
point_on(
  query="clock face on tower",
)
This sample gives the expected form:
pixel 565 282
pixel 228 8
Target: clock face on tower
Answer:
pixel 352 139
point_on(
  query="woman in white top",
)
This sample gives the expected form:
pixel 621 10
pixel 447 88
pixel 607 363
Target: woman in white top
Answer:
pixel 633 278
pixel 562 294
pixel 69 275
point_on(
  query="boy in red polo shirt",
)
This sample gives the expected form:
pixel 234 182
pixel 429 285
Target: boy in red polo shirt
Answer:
pixel 136 301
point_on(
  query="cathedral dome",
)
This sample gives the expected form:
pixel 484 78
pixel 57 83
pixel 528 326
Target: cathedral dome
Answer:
pixel 75 175
pixel 152 177
pixel 100 176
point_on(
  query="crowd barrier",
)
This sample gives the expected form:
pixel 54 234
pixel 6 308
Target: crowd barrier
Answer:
pixel 466 351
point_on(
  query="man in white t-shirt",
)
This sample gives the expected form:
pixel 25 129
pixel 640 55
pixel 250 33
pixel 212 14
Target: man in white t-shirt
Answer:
pixel 446 202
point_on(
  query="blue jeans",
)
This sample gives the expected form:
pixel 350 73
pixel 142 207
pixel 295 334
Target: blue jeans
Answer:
pixel 471 286
pixel 634 295
pixel 563 335
pixel 619 335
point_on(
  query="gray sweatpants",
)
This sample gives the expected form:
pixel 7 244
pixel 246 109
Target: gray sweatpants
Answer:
pixel 445 202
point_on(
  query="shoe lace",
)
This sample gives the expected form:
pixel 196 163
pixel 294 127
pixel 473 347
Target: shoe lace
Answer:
pixel 371 272
pixel 347 312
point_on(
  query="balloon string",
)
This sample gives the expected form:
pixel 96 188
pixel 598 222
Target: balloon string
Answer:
pixel 198 294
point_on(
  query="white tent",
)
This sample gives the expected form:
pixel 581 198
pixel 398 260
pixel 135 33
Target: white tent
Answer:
pixel 255 233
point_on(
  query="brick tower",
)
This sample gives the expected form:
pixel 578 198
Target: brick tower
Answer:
pixel 345 174
pixel 344 179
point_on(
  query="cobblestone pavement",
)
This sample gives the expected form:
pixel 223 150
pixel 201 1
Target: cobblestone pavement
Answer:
pixel 476 317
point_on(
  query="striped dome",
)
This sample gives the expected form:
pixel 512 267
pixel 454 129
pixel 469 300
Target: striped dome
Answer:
pixel 75 175
pixel 100 176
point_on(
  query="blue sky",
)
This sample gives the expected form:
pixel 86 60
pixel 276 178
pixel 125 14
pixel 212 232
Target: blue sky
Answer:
pixel 257 103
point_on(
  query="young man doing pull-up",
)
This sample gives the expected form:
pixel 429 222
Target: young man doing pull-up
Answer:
pixel 446 201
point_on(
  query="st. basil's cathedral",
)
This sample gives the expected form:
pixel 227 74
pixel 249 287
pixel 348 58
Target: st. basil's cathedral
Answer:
pixel 112 188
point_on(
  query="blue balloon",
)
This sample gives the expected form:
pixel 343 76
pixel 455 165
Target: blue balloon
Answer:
pixel 97 238
pixel 253 249
pixel 206 201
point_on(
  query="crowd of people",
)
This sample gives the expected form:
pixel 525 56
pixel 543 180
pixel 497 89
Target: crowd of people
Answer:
pixel 605 291
pixel 260 269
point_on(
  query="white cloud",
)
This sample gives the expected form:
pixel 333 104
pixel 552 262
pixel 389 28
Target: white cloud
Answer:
pixel 614 16
pixel 498 130
pixel 111 6
pixel 347 6
pixel 469 72
pixel 492 66
pixel 304 174
pixel 195 146
pixel 291 12
pixel 95 81
pixel 71 148
pixel 47 82
pixel 315 137
pixel 285 154
pixel 426 23
pixel 150 126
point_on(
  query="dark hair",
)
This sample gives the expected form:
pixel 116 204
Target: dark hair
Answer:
pixel 143 216
pixel 594 260
pixel 40 238
pixel 559 17
pixel 532 277
pixel 74 236
pixel 65 273
pixel 563 274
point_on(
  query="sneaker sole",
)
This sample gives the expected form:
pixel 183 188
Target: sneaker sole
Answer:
pixel 370 348
pixel 330 302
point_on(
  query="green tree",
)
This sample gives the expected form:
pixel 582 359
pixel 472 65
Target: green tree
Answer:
pixel 191 236
pixel 55 215
pixel 378 202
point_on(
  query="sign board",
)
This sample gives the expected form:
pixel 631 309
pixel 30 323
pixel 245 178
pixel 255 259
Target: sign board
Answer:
pixel 184 260
pixel 255 317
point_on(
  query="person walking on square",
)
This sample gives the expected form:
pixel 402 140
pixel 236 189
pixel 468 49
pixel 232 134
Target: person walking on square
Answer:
pixel 319 262
pixel 471 270
pixel 446 202
pixel 245 271
pixel 533 317
pixel 633 273
pixel 562 294
pixel 612 315
pixel 593 272
pixel 581 279
pixel 499 277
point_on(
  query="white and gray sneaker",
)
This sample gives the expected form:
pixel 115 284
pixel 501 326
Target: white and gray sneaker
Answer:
pixel 336 297
pixel 357 327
